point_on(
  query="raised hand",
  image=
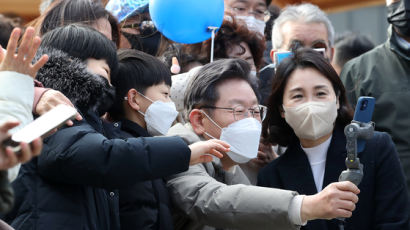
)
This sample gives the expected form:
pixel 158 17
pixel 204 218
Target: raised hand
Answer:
pixel 22 61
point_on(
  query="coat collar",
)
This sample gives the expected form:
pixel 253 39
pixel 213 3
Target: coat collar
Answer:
pixel 395 45
pixel 295 170
pixel 133 128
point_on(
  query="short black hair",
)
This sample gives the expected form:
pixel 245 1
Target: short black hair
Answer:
pixel 202 88
pixel 136 70
pixel 275 128
pixel 349 46
pixel 82 42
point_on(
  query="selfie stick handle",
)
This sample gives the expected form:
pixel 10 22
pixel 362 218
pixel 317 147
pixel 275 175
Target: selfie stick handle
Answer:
pixel 354 172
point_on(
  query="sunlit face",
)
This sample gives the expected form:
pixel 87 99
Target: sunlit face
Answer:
pixel 311 35
pixel 159 92
pixel 242 51
pixel 232 93
pixel 99 67
pixel 256 8
pixel 307 85
pixel 103 26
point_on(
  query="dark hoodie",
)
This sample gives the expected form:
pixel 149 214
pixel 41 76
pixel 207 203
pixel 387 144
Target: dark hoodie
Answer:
pixel 72 184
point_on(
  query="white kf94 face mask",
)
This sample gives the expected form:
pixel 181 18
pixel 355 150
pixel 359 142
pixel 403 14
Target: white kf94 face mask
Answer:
pixel 243 136
pixel 159 116
pixel 312 120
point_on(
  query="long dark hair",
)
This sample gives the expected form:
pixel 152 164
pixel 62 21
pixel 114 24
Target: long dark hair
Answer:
pixel 275 128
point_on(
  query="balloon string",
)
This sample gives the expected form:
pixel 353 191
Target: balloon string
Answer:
pixel 213 28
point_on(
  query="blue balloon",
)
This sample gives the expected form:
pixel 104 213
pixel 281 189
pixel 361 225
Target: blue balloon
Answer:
pixel 186 21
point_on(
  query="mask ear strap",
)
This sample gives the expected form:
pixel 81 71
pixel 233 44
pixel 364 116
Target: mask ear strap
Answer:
pixel 145 97
pixel 211 119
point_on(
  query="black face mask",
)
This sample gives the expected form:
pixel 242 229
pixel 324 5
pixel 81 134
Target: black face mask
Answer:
pixel 147 45
pixel 107 97
pixel 398 14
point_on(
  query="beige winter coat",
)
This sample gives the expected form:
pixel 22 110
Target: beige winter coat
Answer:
pixel 206 195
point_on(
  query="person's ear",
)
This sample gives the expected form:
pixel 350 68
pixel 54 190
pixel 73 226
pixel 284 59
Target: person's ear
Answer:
pixel 332 53
pixel 196 119
pixel 338 102
pixel 282 111
pixel 134 99
pixel 272 53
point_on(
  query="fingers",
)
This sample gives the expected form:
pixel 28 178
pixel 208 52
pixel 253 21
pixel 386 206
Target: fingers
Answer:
pixel 69 123
pixel 40 63
pixel 8 125
pixel 12 45
pixel 26 43
pixel 9 159
pixel 347 186
pixel 25 153
pixel 32 49
pixel 37 145
pixel 216 153
pixel 78 117
pixel 1 54
pixel 205 159
pixel 223 143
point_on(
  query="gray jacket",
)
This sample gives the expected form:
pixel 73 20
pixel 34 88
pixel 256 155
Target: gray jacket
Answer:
pixel 206 195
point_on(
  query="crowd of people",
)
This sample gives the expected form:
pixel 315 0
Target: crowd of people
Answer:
pixel 165 138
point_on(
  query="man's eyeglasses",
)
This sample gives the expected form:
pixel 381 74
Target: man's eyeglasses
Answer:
pixel 258 14
pixel 240 112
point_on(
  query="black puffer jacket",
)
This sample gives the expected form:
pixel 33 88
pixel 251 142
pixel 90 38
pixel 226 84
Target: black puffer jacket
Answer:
pixel 71 185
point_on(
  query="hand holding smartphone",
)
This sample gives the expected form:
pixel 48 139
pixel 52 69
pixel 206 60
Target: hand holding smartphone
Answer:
pixel 41 127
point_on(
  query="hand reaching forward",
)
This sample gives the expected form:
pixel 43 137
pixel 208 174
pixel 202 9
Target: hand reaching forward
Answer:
pixel 200 151
pixel 336 200
pixel 21 62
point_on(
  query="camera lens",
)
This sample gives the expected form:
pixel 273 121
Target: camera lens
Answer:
pixel 364 105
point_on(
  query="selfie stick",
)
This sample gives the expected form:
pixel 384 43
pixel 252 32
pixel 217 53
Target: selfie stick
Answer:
pixel 354 172
pixel 213 29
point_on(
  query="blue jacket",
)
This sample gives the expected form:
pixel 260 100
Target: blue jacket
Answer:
pixel 383 196
pixel 72 184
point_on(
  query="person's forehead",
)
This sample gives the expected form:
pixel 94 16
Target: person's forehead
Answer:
pixel 307 78
pixel 235 91
pixel 307 33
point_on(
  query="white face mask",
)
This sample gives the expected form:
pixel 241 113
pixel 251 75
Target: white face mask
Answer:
pixel 243 136
pixel 312 120
pixel 159 116
pixel 253 24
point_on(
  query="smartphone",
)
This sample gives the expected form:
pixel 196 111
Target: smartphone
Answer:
pixel 363 113
pixel 279 56
pixel 41 126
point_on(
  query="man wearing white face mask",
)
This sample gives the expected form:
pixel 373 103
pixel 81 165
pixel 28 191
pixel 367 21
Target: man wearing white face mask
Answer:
pixel 143 108
pixel 254 13
pixel 220 102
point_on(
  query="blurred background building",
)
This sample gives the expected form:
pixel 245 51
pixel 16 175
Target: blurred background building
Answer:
pixel 365 16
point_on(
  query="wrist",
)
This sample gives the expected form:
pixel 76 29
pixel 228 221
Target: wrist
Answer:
pixel 306 211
